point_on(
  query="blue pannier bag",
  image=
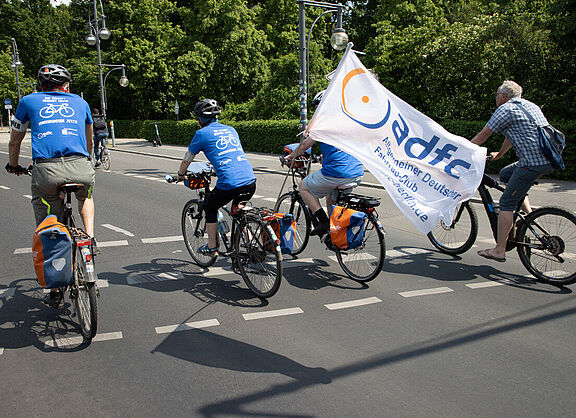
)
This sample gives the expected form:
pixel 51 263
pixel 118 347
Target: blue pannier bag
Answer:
pixel 285 229
pixel 552 142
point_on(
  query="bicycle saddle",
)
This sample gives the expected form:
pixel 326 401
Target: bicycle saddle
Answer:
pixel 70 187
pixel 347 186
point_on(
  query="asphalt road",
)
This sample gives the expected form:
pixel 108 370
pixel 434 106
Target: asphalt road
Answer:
pixel 432 336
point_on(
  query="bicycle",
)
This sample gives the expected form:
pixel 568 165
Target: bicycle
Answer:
pixel 156 141
pixel 545 239
pixel 362 263
pixel 250 242
pixel 104 156
pixel 83 291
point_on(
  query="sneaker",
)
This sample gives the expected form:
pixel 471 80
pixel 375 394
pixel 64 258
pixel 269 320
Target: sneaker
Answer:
pixel 55 299
pixel 95 249
pixel 97 164
pixel 321 229
pixel 205 250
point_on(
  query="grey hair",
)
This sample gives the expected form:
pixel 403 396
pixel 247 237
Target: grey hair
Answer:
pixel 511 89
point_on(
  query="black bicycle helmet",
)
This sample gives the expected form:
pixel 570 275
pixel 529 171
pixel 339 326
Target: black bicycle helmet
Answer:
pixel 207 108
pixel 318 98
pixel 53 75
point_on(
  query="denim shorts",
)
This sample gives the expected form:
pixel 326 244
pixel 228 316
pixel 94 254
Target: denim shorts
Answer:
pixel 320 185
pixel 519 180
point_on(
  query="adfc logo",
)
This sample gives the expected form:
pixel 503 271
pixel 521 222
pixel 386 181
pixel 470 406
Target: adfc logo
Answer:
pixel 363 101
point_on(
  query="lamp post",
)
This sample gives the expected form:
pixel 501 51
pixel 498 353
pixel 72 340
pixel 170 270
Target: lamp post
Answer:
pixel 123 81
pixel 339 40
pixel 16 63
pixel 97 30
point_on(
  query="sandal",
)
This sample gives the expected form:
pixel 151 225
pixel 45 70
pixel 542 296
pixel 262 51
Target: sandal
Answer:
pixel 489 256
pixel 206 250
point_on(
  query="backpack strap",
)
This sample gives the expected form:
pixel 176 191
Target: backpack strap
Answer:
pixel 526 112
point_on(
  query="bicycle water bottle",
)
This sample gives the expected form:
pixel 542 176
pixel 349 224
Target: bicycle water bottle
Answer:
pixel 222 224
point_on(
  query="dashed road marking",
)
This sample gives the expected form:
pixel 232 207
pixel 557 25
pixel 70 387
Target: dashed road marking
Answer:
pixel 23 251
pixel 118 229
pixel 269 199
pixel 157 240
pixel 1 351
pixel 102 283
pixel 272 314
pixel 482 285
pixel 187 326
pixel 6 293
pixel 66 341
pixel 112 243
pixel 5 187
pixel 425 292
pixel 27 196
pixel 353 303
pixel 152 278
pixel 405 252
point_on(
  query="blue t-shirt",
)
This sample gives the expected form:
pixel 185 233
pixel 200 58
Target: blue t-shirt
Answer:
pixel 57 123
pixel 222 147
pixel 338 164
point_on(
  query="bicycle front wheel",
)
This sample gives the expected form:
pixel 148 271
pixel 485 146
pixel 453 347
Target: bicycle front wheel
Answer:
pixel 258 257
pixel 460 236
pixel 195 233
pixel 547 245
pixel 289 203
pixel 86 298
pixel 105 158
pixel 365 262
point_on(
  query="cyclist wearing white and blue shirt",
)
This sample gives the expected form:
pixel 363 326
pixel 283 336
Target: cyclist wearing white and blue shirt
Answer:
pixel 221 145
pixel 521 134
pixel 61 130
pixel 338 168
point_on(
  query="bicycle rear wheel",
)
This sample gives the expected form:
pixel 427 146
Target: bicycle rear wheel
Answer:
pixel 105 158
pixel 460 236
pixel 195 233
pixel 258 257
pixel 288 203
pixel 364 262
pixel 85 300
pixel 547 245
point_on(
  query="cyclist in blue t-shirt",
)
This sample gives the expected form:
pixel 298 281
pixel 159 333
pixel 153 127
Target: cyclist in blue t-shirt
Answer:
pixel 61 130
pixel 221 145
pixel 338 168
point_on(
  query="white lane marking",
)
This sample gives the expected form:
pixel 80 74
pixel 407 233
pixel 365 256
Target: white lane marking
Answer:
pixel 27 196
pixel 352 303
pixel 5 187
pixel 269 199
pixel 6 293
pixel 425 292
pixel 129 174
pixel 217 271
pixel 22 250
pixel 63 342
pixel 187 326
pixel 139 176
pixel 485 240
pixel 1 351
pixel 257 196
pixel 118 229
pixel 355 257
pixel 157 240
pixel 271 314
pixel 485 284
pixel 102 283
pixel 405 252
pixel 112 243
pixel 152 278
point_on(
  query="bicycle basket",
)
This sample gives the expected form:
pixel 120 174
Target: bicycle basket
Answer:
pixel 196 183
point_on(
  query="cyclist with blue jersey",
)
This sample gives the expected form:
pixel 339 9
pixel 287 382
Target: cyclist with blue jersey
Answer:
pixel 221 145
pixel 61 130
pixel 338 168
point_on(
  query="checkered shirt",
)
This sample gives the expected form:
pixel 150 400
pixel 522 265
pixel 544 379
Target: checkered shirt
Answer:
pixel 513 123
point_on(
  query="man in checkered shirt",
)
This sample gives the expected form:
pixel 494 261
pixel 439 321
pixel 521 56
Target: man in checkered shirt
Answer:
pixel 522 134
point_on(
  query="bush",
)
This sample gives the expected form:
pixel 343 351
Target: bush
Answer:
pixel 270 136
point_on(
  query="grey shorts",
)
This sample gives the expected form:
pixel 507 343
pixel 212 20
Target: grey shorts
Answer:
pixel 47 176
pixel 519 180
pixel 320 185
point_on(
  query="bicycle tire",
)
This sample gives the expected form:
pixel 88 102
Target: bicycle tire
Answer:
pixel 458 237
pixel 365 262
pixel 288 203
pixel 105 158
pixel 258 257
pixel 557 226
pixel 85 301
pixel 194 232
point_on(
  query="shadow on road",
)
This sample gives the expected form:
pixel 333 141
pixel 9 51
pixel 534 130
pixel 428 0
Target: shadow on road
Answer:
pixel 25 321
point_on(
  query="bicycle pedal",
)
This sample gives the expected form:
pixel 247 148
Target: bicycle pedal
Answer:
pixel 225 253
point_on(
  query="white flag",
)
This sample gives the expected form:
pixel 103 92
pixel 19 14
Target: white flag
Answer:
pixel 425 169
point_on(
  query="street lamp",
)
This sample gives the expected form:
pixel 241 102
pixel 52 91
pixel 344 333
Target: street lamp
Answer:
pixel 123 81
pixel 339 40
pixel 16 63
pixel 97 30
